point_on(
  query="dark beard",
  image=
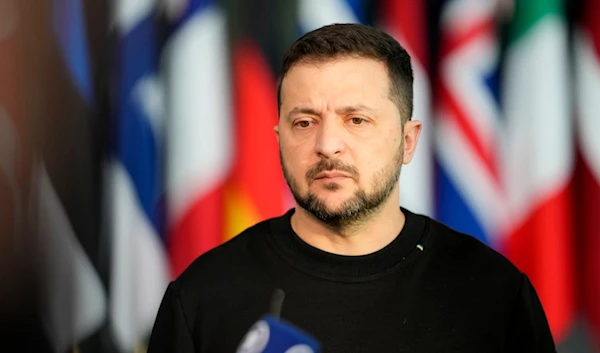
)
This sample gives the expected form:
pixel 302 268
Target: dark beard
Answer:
pixel 360 207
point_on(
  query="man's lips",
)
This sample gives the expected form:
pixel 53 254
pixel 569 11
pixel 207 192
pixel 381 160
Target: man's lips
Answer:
pixel 331 175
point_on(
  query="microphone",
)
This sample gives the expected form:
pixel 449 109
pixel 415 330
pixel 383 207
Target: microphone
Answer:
pixel 270 334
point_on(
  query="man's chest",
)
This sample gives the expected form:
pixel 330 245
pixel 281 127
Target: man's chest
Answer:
pixel 373 318
pixel 394 320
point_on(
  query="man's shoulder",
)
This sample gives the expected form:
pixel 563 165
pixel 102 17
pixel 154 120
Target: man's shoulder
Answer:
pixel 228 258
pixel 466 254
pixel 468 269
pixel 225 273
pixel 223 277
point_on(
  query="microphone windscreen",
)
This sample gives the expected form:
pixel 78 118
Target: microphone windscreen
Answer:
pixel 270 335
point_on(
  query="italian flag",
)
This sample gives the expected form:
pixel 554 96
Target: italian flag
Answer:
pixel 539 157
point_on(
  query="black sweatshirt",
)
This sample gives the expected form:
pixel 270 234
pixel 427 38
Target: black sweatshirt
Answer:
pixel 431 289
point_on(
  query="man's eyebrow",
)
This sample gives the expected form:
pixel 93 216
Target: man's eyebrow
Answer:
pixel 303 110
pixel 342 110
pixel 353 108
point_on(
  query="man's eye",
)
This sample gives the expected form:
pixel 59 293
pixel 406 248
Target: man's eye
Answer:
pixel 303 123
pixel 357 120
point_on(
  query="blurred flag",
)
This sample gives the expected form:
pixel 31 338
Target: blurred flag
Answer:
pixel 139 265
pixel 15 151
pixel 75 302
pixel 407 22
pixel 313 14
pixel 18 296
pixel 68 27
pixel 539 158
pixel 587 60
pixel 199 138
pixel 255 189
pixel 468 187
pixel 64 180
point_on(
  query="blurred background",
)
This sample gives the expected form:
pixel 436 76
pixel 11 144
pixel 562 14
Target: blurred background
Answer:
pixel 137 134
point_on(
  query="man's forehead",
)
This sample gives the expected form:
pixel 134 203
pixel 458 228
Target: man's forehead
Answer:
pixel 348 61
pixel 353 77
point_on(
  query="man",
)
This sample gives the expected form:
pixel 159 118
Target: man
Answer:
pixel 359 273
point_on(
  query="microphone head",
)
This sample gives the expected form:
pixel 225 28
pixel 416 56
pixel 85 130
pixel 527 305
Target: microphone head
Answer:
pixel 269 335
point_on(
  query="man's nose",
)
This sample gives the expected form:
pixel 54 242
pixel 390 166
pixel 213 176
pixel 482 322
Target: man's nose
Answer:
pixel 330 142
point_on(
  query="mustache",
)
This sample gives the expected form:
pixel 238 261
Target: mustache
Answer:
pixel 327 165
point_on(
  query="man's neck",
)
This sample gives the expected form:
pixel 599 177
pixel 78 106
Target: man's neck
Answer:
pixel 379 230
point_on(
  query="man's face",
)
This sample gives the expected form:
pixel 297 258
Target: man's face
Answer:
pixel 340 138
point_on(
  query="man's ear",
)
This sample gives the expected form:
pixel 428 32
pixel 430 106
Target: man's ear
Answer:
pixel 412 131
pixel 276 129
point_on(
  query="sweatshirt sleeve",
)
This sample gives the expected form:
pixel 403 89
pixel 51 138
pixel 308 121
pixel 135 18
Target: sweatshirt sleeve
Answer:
pixel 171 332
pixel 528 329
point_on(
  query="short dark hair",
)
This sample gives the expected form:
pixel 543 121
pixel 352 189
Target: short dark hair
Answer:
pixel 356 40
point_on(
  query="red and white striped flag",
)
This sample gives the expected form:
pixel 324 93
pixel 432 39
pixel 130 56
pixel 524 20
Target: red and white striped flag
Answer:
pixel 199 136
pixel 587 68
pixel 407 22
